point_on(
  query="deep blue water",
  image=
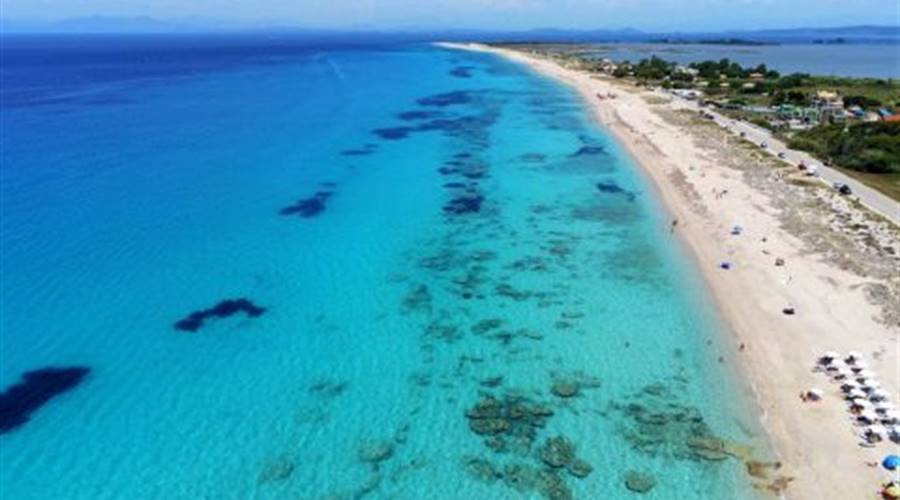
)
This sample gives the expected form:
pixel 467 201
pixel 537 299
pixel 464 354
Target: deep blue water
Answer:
pixel 293 268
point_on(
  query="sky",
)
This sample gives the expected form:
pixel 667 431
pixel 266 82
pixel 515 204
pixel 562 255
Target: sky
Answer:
pixel 662 15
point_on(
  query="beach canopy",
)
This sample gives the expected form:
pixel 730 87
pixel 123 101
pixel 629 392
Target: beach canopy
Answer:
pixel 849 385
pixel 875 430
pixel 869 382
pixel 860 403
pixel 885 406
pixel 856 394
pixel 859 365
pixel 891 462
pixel 890 417
pixel 868 416
pixel 879 395
pixel 891 491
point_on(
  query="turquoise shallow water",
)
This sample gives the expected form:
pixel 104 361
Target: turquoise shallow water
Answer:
pixel 461 231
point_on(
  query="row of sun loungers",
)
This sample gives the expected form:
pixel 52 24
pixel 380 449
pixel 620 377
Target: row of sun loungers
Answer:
pixel 868 404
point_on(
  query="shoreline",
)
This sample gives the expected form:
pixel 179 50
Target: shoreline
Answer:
pixel 815 442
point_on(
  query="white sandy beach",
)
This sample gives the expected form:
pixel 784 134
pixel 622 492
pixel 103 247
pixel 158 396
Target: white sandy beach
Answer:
pixel 691 165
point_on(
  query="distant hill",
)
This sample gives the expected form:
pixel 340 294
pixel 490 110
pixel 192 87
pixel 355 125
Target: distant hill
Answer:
pixel 109 25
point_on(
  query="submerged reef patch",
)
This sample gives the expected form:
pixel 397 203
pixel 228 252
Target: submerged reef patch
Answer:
pixel 613 188
pixel 365 150
pixel 588 151
pixel 194 321
pixel 34 390
pixel 420 115
pixel 446 99
pixel 393 133
pixel 462 71
pixel 308 207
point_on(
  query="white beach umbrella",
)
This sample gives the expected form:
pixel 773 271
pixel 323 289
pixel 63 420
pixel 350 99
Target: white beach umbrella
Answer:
pixel 860 404
pixel 879 395
pixel 829 357
pixel 835 365
pixel 894 431
pixel 849 385
pixel 841 372
pixel 890 417
pixel 869 384
pixel 859 366
pixel 876 430
pixel 867 416
pixel 853 356
pixel 885 406
pixel 856 394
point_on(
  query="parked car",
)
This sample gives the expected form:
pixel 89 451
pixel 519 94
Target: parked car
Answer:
pixel 843 188
pixel 782 155
pixel 763 145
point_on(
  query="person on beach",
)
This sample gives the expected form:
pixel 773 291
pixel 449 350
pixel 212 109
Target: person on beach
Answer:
pixel 673 226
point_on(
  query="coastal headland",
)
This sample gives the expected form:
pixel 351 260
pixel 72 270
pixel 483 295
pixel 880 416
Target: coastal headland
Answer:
pixel 795 270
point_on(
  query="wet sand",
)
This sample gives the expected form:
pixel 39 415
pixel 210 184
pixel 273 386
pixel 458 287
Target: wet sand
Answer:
pixel 839 273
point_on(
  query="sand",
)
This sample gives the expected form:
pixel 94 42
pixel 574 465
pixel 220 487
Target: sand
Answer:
pixel 839 276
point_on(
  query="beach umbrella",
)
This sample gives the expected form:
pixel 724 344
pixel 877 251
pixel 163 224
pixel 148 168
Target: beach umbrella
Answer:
pixel 849 385
pixel 879 395
pixel 891 462
pixel 865 374
pixel 870 385
pixel 867 416
pixel 860 403
pixel 884 406
pixel 828 357
pixel 890 417
pixel 891 491
pixel 894 432
pixel 841 372
pixel 859 366
pixel 853 356
pixel 856 394
pixel 835 365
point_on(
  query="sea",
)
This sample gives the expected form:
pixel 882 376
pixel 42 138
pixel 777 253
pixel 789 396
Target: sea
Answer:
pixel 865 60
pixel 276 267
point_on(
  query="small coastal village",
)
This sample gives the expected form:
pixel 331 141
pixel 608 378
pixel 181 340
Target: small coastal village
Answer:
pixel 852 124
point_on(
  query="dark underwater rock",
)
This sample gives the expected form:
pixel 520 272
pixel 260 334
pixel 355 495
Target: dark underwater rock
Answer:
pixel 420 115
pixel 464 205
pixel 308 207
pixel 277 470
pixel 446 99
pixel 639 482
pixel 588 151
pixel 376 451
pixel 482 470
pixel 462 72
pixel 579 468
pixel 35 389
pixel 613 188
pixel 194 321
pixel 564 389
pixel 557 452
pixel 393 133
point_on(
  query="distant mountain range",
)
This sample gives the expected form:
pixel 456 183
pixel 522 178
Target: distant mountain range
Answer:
pixel 149 25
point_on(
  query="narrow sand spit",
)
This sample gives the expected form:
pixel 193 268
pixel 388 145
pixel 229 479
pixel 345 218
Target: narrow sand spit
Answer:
pixel 841 272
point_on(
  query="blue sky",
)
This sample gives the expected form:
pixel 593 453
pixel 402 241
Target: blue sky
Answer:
pixel 504 14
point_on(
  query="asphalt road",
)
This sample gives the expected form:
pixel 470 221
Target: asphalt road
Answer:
pixel 869 197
